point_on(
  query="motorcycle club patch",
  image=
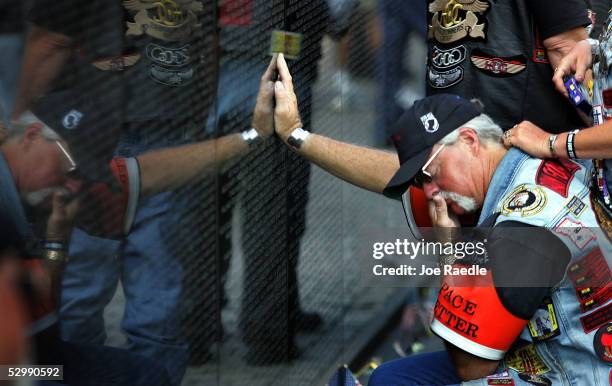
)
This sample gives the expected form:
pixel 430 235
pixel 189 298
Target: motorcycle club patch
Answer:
pixel 171 57
pixel 556 175
pixel 444 79
pixel 575 206
pixel 503 378
pixel 166 20
pixel 538 380
pixel 118 63
pixel 580 235
pixel 454 20
pixel 442 59
pixel 171 77
pixel 525 200
pixel 602 343
pixel 543 325
pixel 497 65
pixel 526 360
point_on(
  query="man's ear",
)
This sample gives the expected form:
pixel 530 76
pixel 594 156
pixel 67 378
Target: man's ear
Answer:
pixel 31 134
pixel 470 139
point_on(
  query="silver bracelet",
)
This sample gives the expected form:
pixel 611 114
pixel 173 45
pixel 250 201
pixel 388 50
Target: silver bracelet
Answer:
pixel 297 137
pixel 251 137
pixel 551 144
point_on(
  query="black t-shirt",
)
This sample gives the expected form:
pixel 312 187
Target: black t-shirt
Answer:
pixel 554 17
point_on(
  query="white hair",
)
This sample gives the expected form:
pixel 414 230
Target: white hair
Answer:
pixel 488 131
pixel 17 128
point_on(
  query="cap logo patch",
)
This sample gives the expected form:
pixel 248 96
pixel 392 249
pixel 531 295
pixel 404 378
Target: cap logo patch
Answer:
pixel 430 123
pixel 72 119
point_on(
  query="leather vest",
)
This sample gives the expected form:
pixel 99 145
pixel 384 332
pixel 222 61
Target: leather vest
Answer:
pixel 491 50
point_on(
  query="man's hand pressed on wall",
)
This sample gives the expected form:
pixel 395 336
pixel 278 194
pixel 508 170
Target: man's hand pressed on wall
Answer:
pixel 286 113
pixel 263 120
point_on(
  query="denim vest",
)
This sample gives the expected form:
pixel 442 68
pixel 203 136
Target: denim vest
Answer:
pixel 571 352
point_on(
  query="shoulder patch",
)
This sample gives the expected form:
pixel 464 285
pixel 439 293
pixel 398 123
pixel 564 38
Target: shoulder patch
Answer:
pixel 498 65
pixel 556 175
pixel 575 206
pixel 525 200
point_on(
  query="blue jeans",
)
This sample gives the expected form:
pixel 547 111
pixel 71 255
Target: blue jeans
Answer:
pixel 11 46
pixel 151 275
pixel 432 369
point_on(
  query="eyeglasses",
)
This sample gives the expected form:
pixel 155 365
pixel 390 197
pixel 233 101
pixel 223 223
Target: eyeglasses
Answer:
pixel 423 176
pixel 72 166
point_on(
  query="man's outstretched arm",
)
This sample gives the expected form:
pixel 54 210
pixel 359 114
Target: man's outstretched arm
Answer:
pixel 361 166
pixel 169 169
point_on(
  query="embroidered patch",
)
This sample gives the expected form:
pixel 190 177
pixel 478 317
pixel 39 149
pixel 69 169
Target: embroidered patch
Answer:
pixel 543 325
pixel 72 119
pixel 575 206
pixel 538 380
pixel 168 21
pixel 503 378
pixel 539 56
pixel 556 175
pixel 119 63
pixel 526 200
pixel 444 79
pixel 171 77
pixel 580 235
pixel 170 57
pixel 526 360
pixel 539 53
pixel 454 20
pixel 591 271
pixel 598 117
pixel 596 319
pixel 442 59
pixel 496 65
pixel 602 343
pixel 599 298
pixel 430 123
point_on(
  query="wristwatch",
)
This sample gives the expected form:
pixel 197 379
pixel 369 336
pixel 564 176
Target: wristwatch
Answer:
pixel 251 137
pixel 297 137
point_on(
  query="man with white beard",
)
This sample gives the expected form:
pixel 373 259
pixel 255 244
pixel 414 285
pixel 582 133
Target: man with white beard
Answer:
pixel 545 248
pixel 44 175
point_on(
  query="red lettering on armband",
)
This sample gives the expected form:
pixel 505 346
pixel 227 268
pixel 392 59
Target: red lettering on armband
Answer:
pixel 468 307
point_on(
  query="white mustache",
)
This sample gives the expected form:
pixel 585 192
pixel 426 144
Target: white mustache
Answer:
pixel 38 196
pixel 466 203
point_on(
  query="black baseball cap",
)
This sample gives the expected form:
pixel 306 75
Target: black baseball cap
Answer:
pixel 88 124
pixel 419 129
